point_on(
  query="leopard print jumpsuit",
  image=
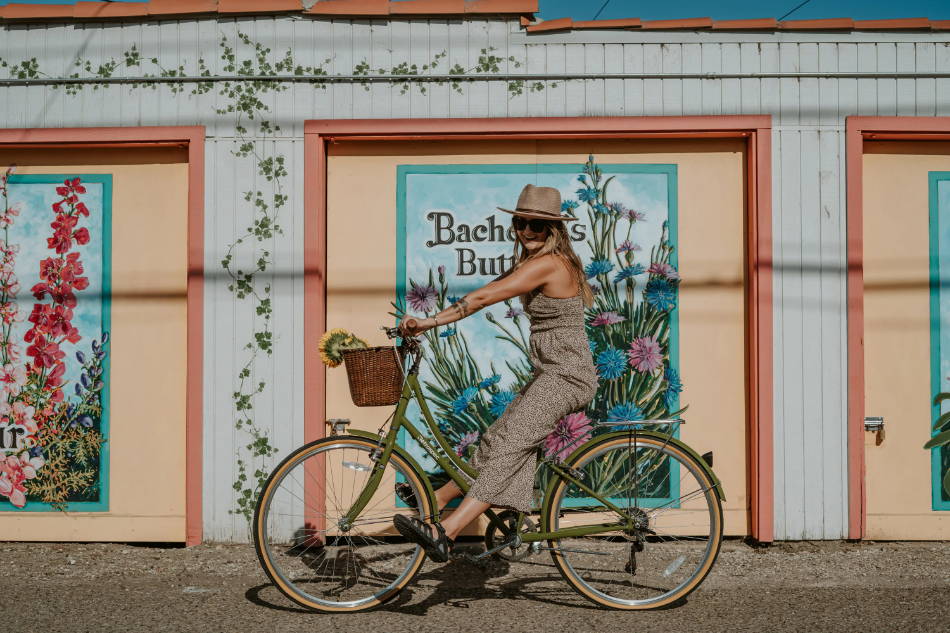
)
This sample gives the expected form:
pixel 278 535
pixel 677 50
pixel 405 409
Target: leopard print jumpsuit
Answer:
pixel 564 381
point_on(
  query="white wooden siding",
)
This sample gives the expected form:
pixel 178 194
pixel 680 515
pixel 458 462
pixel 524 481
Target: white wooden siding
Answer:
pixel 808 181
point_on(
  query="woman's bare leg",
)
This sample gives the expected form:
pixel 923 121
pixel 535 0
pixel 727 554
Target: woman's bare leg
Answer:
pixel 446 493
pixel 467 512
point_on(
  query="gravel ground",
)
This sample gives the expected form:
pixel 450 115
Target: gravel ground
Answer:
pixel 808 586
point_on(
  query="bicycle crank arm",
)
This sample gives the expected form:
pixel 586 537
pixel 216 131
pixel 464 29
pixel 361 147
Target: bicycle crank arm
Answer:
pixel 512 542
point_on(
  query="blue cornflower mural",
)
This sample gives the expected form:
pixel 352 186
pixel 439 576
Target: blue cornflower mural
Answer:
pixel 598 267
pixel 449 331
pixel 629 271
pixel 488 382
pixel 500 402
pixel 461 403
pixel 568 206
pixel 611 363
pixel 623 412
pixel 673 387
pixel 586 194
pixel 660 294
pixel 601 208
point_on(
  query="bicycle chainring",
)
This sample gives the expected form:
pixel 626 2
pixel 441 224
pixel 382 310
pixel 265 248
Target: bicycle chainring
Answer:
pixel 494 539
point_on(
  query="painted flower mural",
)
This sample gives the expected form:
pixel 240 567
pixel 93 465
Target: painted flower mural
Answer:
pixel 473 373
pixel 50 434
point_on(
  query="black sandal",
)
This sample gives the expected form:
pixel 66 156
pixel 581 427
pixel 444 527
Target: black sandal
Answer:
pixel 418 532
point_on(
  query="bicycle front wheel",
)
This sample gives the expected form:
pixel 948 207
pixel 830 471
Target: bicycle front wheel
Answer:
pixel 308 549
pixel 671 506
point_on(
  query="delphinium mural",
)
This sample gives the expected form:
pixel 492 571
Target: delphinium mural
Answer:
pixel 50 430
pixel 629 328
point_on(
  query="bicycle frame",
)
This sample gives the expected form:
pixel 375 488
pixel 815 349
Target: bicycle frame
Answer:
pixel 453 465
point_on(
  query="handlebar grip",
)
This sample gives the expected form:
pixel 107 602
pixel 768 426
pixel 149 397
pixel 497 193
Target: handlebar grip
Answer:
pixel 411 323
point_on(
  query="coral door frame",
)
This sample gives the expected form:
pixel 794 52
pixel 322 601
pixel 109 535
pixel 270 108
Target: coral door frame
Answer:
pixel 858 130
pixel 755 130
pixel 191 138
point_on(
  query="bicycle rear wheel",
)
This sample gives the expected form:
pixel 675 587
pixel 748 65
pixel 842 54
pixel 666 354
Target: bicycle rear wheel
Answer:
pixel 677 515
pixel 306 547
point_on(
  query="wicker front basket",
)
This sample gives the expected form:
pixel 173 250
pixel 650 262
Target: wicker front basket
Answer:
pixel 375 376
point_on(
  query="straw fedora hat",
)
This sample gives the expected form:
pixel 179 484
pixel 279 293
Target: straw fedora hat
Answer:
pixel 543 203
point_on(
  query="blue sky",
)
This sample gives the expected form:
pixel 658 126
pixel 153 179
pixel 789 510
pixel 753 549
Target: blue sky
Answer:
pixel 720 10
pixel 737 9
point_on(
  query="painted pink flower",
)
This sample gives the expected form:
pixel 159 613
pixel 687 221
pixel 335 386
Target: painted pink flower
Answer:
pixel 607 318
pixel 8 312
pixel 421 298
pixel 570 432
pixel 467 440
pixel 633 215
pixel 10 350
pixel 13 472
pixel 645 354
pixel 12 378
pixel 664 269
pixel 627 245
pixel 22 414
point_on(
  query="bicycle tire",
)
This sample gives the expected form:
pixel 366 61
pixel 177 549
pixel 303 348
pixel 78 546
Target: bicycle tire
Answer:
pixel 556 506
pixel 320 450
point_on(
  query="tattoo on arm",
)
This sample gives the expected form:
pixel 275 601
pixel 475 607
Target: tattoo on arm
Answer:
pixel 462 307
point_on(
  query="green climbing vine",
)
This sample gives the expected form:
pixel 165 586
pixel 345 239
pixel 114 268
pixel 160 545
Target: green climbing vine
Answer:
pixel 246 101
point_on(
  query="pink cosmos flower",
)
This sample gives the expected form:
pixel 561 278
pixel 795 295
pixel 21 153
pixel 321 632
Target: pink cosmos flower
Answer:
pixel 633 215
pixel 664 269
pixel 12 378
pixel 607 318
pixel 645 354
pixel 570 432
pixel 13 472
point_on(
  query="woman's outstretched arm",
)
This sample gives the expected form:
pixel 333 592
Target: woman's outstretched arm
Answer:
pixel 529 276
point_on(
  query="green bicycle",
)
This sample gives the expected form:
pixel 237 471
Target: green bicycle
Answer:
pixel 632 517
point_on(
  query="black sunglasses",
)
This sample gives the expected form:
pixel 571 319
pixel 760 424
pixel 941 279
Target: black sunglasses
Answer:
pixel 537 226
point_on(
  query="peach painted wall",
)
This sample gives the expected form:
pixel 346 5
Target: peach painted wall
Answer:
pixel 897 338
pixel 361 218
pixel 148 348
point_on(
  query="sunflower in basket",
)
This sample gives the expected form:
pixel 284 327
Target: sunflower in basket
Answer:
pixel 334 342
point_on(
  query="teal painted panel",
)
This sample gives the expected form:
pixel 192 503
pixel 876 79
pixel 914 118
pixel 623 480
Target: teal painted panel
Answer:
pixel 939 323
pixel 55 285
pixel 451 239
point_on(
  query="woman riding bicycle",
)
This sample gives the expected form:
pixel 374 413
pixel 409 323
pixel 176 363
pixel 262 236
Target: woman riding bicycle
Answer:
pixel 550 281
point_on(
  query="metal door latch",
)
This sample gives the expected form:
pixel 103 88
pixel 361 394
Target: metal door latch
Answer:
pixel 875 425
pixel 338 425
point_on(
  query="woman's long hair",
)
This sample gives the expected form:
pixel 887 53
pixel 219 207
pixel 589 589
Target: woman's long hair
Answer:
pixel 559 243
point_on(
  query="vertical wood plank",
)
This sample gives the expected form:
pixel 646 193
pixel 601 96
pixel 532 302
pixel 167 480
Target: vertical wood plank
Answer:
pixel 731 89
pixel 813 354
pixel 770 95
pixel 847 88
pixel 750 89
pixel 633 88
pixel 575 96
pixel 420 56
pixel 439 43
pixel 789 88
pixel 886 88
pixel 382 56
pixel 906 60
pixel 712 88
pixel 926 62
pixel 478 45
pixel 341 52
pixel 828 86
pixel 613 88
pixel 518 104
pixel 652 88
pixel 594 88
pixel 497 32
pixel 363 52
pixel 399 48
pixel 792 332
pixel 942 89
pixel 536 102
pixel 556 62
pixel 833 345
pixel 459 56
pixel 779 447
pixel 808 86
pixel 671 59
pixel 867 89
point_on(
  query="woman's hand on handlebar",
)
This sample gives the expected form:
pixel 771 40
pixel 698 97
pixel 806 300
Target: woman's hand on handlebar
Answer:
pixel 413 326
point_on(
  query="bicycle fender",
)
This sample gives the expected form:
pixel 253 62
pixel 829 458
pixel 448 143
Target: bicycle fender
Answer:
pixel 409 459
pixel 584 448
pixel 683 447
